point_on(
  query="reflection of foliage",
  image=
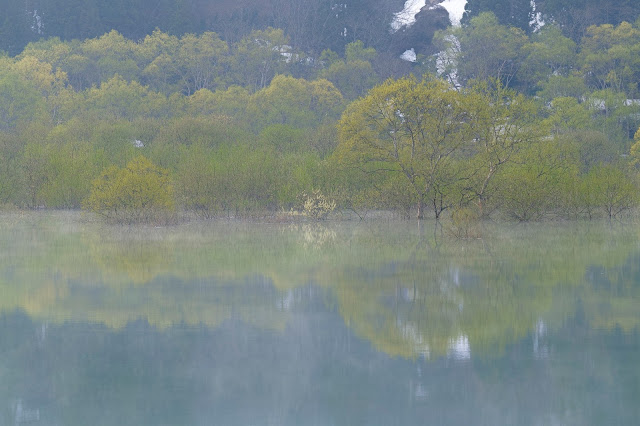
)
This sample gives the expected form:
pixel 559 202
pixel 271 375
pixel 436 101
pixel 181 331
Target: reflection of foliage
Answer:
pixel 490 292
pixel 315 235
pixel 138 258
pixel 406 292
pixel 465 223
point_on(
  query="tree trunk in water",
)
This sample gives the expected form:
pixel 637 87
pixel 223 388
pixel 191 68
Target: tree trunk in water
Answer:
pixel 421 206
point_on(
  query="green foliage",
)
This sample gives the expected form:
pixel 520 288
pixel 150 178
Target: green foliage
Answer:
pixel 353 78
pixel 233 110
pixel 200 61
pixel 414 128
pixel 10 168
pixel 112 141
pixel 567 114
pixel 69 169
pixel 484 49
pixel 196 182
pixel 611 57
pixel 465 222
pixel 557 86
pixel 614 114
pixel 635 151
pixel 283 138
pixel 355 51
pixel 548 54
pixel 447 144
pixel 513 13
pixel 181 133
pixel 615 192
pixel 20 102
pixel 112 54
pixel 34 173
pixel 139 192
pixel 260 58
pixel 231 102
pixel 117 99
pixel 507 123
pixel 593 147
pixel 531 187
pixel 295 102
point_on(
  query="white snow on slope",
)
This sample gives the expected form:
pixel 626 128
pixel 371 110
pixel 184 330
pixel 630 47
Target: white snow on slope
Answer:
pixel 407 16
pixel 455 9
pixel 411 8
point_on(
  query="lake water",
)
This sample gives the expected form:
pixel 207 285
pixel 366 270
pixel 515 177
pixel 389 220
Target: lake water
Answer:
pixel 349 323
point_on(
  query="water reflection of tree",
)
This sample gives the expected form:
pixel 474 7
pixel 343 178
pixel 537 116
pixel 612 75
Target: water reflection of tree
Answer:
pixel 317 372
pixel 489 293
pixel 408 290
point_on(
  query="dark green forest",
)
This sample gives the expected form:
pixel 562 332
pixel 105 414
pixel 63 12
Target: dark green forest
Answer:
pixel 238 109
pixel 309 25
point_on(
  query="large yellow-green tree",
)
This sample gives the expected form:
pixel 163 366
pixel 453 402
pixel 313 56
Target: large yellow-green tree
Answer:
pixel 415 128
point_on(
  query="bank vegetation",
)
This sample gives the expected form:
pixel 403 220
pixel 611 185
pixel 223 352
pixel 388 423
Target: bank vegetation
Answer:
pixel 501 123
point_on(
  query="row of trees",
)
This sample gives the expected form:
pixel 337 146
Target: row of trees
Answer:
pixel 311 25
pixel 572 17
pixel 423 142
pixel 232 144
pixel 546 63
pixel 171 64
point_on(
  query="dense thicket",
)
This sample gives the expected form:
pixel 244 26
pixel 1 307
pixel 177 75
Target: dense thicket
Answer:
pixel 545 125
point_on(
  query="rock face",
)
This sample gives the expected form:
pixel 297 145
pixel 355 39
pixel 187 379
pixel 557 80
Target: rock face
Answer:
pixel 418 35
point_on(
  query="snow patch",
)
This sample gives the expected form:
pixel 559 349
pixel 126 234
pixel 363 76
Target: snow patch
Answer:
pixel 36 23
pixel 407 16
pixel 455 9
pixel 446 61
pixel 536 19
pixel 409 55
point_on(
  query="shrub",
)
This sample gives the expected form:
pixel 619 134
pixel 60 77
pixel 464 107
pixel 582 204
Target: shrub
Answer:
pixel 315 206
pixel 139 192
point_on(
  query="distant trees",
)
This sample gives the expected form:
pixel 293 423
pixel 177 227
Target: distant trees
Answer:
pixel 575 17
pixel 527 125
pixel 572 17
pixel 295 102
pixel 310 25
pixel 512 13
pixel 483 49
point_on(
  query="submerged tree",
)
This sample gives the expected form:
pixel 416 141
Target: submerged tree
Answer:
pixel 139 192
pixel 413 128
pixel 508 124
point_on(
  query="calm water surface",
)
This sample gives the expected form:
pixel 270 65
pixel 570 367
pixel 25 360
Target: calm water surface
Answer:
pixel 375 323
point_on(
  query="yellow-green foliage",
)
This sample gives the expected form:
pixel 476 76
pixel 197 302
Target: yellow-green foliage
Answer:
pixel 465 222
pixel 139 192
pixel 315 205
pixel 635 150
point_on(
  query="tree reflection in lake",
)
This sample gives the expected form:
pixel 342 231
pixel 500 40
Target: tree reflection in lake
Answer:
pixel 365 323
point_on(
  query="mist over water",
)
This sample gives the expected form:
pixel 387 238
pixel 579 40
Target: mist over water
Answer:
pixel 378 322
